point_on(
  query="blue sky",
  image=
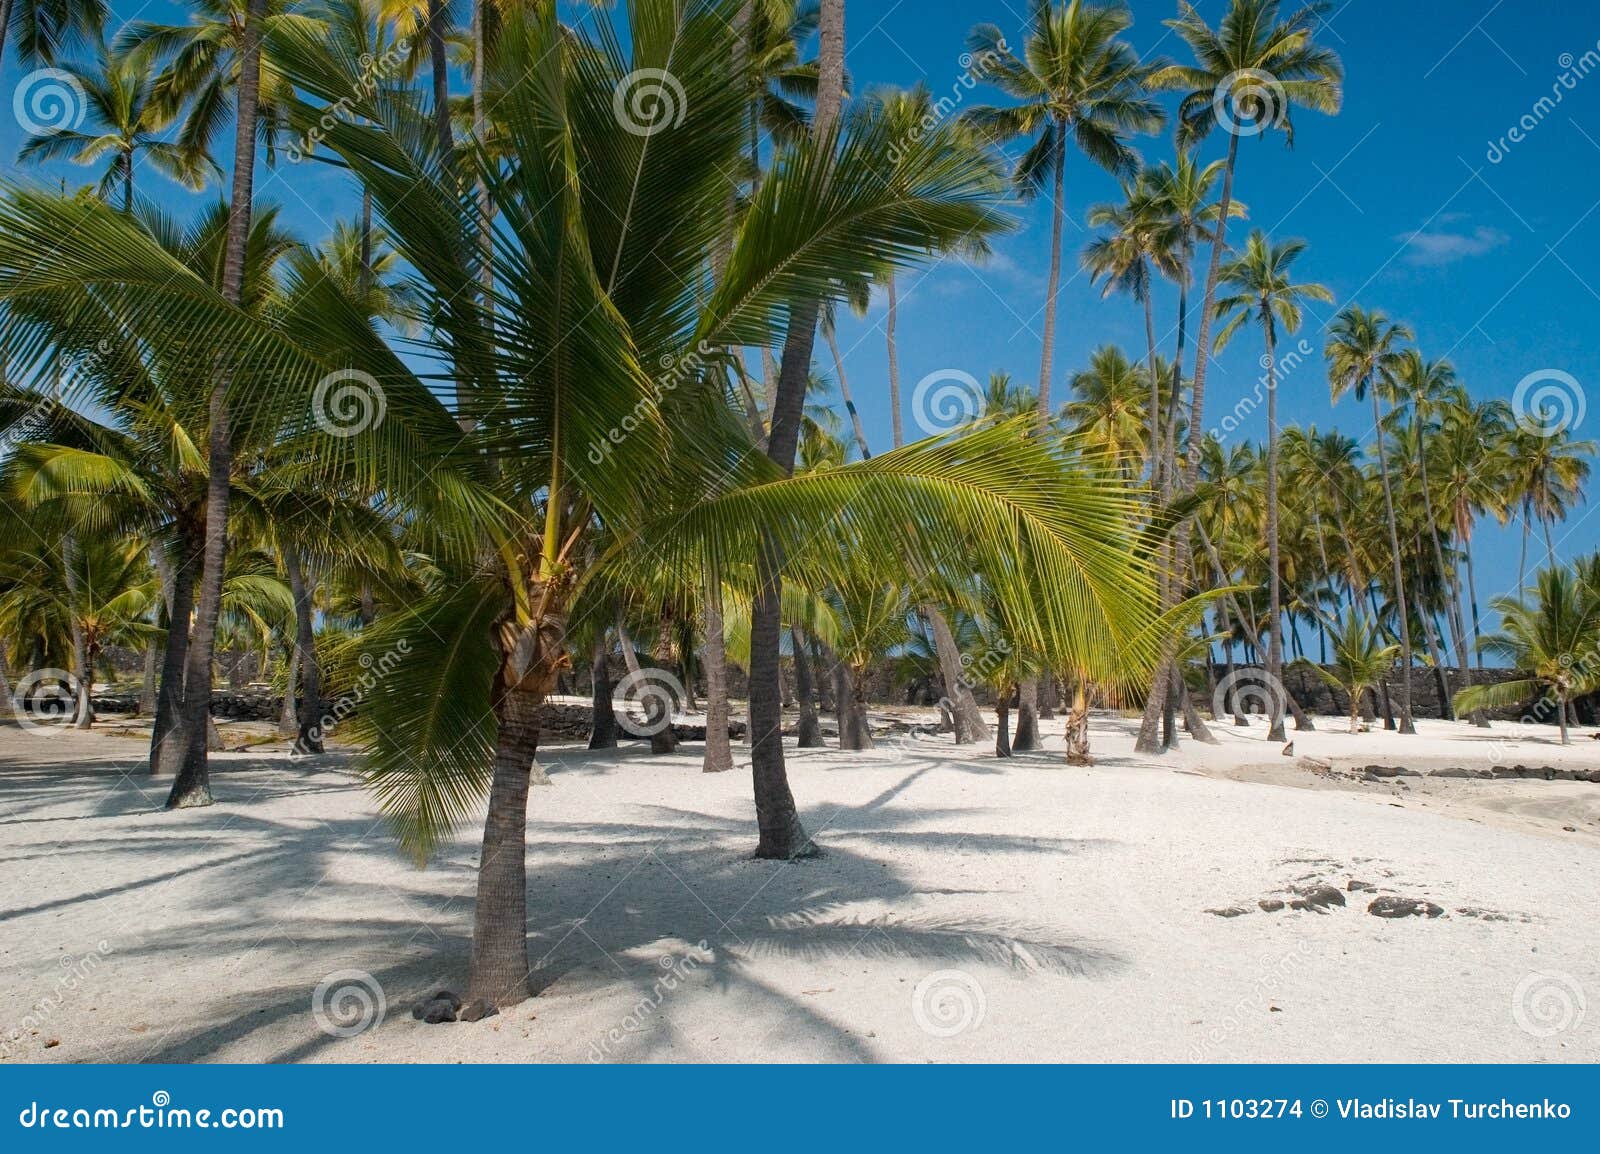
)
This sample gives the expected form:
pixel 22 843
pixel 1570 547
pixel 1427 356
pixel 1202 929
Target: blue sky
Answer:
pixel 1491 258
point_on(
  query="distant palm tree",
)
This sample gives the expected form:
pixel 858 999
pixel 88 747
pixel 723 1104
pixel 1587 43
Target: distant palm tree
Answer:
pixel 1551 638
pixel 1109 407
pixel 1364 353
pixel 1249 74
pixel 1262 292
pixel 124 121
pixel 1548 469
pixel 1076 78
pixel 1360 661
pixel 1475 468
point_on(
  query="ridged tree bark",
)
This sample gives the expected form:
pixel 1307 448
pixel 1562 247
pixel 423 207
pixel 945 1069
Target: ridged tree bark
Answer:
pixel 165 752
pixel 809 733
pixel 1027 735
pixel 603 723
pixel 192 787
pixel 781 834
pixel 719 752
pixel 308 716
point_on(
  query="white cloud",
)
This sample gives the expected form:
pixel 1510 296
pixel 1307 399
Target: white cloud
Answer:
pixel 1442 247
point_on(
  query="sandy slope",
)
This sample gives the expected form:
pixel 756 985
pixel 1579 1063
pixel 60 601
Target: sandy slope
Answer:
pixel 967 909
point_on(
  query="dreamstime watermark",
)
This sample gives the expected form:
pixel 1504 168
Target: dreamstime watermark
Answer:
pixel 649 100
pixel 77 973
pixel 48 101
pixel 1549 402
pixel 1548 1002
pixel 676 370
pixel 1272 975
pixel 347 402
pixel 373 671
pixel 1573 70
pixel 656 691
pixel 1249 690
pixel 946 400
pixel 948 1002
pixel 1274 372
pixel 974 70
pixel 159 1115
pixel 675 971
pixel 45 701
pixel 1249 102
pixel 374 71
pixel 348 1002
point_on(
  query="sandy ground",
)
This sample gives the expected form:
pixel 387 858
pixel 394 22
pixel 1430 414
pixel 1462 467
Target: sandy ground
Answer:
pixel 967 909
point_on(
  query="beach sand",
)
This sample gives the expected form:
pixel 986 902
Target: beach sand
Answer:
pixel 966 909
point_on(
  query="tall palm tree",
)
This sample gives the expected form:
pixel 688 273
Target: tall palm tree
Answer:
pixel 192 787
pixel 1364 354
pixel 1077 78
pixel 1261 291
pixel 1250 73
pixel 123 128
pixel 1109 407
pixel 1474 468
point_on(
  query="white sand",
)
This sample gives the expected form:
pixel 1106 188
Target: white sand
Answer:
pixel 1046 913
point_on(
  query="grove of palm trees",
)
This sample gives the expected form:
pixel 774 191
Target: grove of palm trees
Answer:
pixel 559 532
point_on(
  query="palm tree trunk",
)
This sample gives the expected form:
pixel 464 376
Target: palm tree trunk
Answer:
pixel 1472 592
pixel 662 737
pixel 719 753
pixel 603 717
pixel 844 391
pixel 83 712
pixel 781 834
pixel 969 723
pixel 809 732
pixel 1078 726
pixel 1274 563
pixel 1561 716
pixel 890 321
pixel 192 786
pixel 1002 729
pixel 308 735
pixel 5 26
pixel 165 748
pixel 1058 215
pixel 127 182
pixel 855 733
pixel 1027 737
pixel 438 55
pixel 1406 725
pixel 1153 423
pixel 500 966
pixel 1449 576
pixel 1047 696
pixel 288 708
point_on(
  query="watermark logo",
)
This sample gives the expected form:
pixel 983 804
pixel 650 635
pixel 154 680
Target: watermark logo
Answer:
pixel 656 691
pixel 948 1002
pixel 348 402
pixel 1249 102
pixel 1549 402
pixel 48 101
pixel 46 700
pixel 649 100
pixel 1548 1002
pixel 1250 688
pixel 946 400
pixel 374 71
pixel 1574 69
pixel 347 1003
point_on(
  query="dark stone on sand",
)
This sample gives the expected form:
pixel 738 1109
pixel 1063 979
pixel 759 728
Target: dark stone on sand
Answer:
pixel 437 1010
pixel 478 1009
pixel 1355 886
pixel 1317 899
pixel 1288 750
pixel 1228 911
pixel 1271 905
pixel 447 996
pixel 1398 907
pixel 1375 772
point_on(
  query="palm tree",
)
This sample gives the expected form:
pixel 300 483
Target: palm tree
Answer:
pixel 1364 355
pixel 1474 472
pixel 125 120
pixel 1261 292
pixel 1250 72
pixel 1109 408
pixel 1076 78
pixel 48 29
pixel 1548 469
pixel 204 62
pixel 1360 661
pixel 1552 639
